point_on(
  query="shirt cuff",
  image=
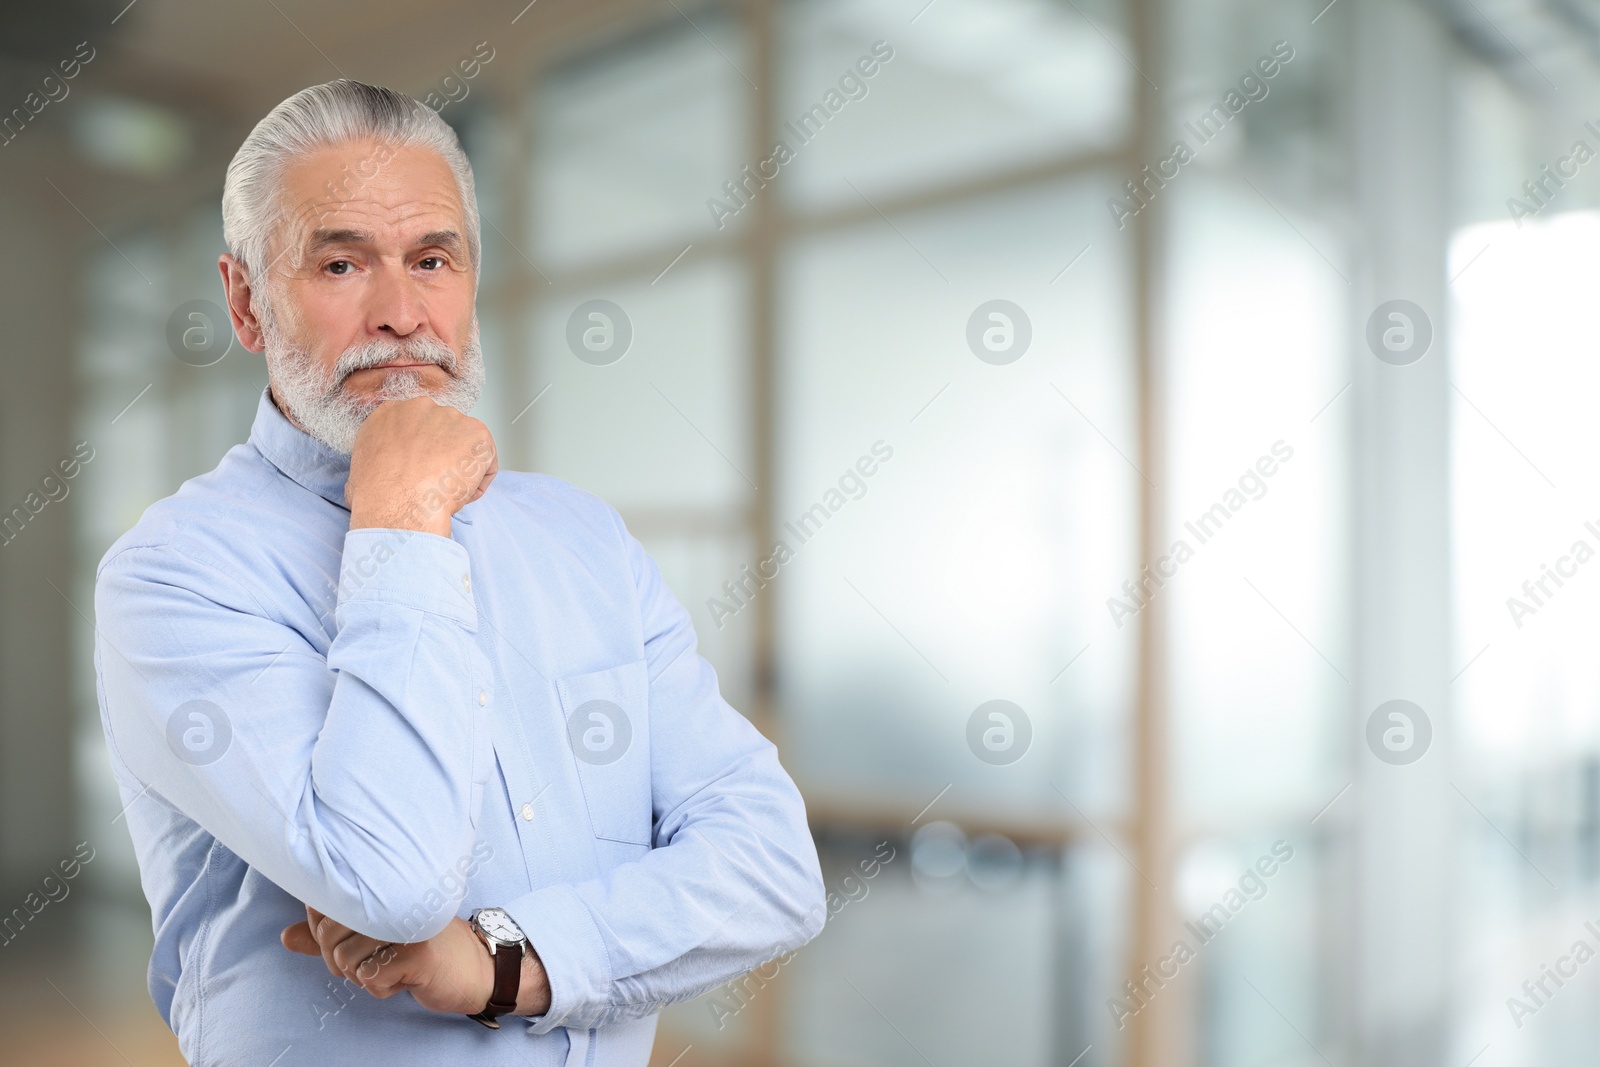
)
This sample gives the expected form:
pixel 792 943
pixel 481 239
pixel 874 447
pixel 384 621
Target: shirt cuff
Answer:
pixel 409 568
pixel 561 929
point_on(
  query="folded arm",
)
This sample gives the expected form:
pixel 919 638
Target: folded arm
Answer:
pixel 733 880
pixel 351 780
pixel 350 776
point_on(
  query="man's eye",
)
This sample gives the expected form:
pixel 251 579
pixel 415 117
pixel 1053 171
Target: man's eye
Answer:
pixel 335 266
pixel 431 259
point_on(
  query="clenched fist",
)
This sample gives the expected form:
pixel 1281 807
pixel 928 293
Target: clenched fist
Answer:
pixel 415 464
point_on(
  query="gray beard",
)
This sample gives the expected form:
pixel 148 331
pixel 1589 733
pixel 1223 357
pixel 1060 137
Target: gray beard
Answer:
pixel 319 403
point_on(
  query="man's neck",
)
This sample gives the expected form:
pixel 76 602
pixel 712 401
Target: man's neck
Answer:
pixel 273 396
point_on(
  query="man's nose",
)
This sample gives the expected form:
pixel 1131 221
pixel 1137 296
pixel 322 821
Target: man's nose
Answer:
pixel 397 306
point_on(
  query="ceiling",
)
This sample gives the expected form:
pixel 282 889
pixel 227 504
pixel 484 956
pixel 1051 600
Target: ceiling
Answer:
pixel 216 69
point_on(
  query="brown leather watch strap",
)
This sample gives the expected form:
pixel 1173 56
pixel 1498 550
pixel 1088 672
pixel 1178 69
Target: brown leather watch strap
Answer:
pixel 507 980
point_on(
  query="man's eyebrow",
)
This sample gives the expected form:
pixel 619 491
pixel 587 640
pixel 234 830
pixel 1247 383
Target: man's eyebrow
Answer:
pixel 449 240
pixel 322 237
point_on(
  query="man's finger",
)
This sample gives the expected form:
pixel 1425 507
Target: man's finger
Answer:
pixel 488 476
pixel 297 938
pixel 349 954
pixel 384 973
pixel 330 934
pixel 359 955
pixel 370 968
pixel 328 931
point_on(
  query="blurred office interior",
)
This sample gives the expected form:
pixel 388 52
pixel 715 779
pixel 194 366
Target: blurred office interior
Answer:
pixel 1176 345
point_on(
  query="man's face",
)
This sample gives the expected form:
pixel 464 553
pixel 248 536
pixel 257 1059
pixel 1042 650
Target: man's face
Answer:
pixel 371 288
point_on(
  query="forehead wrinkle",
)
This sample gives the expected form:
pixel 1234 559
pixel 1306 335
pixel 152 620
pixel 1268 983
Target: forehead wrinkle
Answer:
pixel 372 220
pixel 380 201
pixel 325 237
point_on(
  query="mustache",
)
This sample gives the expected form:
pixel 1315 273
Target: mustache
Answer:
pixel 423 349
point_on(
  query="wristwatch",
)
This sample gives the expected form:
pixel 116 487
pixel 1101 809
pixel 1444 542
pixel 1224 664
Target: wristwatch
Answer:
pixel 507 945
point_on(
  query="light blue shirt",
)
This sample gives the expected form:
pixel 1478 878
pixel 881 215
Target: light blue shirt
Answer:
pixel 397 728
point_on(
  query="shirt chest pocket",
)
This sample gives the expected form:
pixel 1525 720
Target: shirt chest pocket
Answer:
pixel 608 733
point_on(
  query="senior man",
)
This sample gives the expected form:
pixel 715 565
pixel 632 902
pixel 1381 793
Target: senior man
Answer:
pixel 387 720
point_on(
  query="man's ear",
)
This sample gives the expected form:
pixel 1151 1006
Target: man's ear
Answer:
pixel 236 286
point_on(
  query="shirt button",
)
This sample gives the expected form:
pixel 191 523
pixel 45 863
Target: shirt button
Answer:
pixel 483 698
pixel 466 582
pixel 527 813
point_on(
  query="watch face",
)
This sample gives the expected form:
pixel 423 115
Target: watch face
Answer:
pixel 498 925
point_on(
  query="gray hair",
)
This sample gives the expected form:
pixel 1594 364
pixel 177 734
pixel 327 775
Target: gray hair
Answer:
pixel 333 113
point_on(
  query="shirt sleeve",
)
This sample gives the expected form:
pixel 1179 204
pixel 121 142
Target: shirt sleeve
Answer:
pixel 733 880
pixel 353 780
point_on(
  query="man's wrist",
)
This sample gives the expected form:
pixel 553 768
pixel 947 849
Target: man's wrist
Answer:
pixel 533 994
pixel 533 985
pixel 420 520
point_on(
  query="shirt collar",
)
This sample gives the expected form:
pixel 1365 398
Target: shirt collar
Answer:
pixel 302 458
